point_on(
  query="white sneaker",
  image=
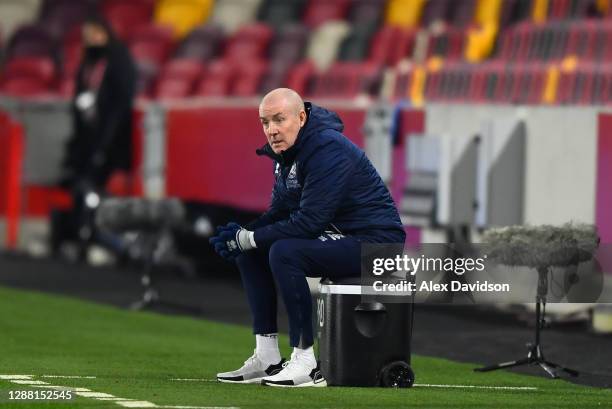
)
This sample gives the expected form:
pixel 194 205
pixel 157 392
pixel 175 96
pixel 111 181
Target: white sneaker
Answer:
pixel 298 372
pixel 253 371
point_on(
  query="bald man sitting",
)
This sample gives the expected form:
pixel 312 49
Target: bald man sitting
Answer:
pixel 326 201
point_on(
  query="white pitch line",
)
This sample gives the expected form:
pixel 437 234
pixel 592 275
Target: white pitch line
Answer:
pixel 28 382
pixel 63 388
pixel 114 399
pixel 137 404
pixel 426 385
pixel 9 377
pixel 95 395
pixel 518 388
pixel 68 376
pixel 101 396
pixel 199 407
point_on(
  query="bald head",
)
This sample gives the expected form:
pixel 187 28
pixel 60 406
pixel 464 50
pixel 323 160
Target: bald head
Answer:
pixel 282 114
pixel 287 96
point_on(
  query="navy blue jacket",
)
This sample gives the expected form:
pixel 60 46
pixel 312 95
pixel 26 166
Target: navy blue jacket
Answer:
pixel 325 182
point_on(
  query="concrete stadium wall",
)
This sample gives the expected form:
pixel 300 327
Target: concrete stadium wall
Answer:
pixel 561 154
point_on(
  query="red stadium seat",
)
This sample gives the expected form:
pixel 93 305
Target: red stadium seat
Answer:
pixel 250 42
pixel 31 40
pixel 403 83
pixel 448 43
pixel 152 43
pixel 201 44
pixel 524 84
pixel 462 13
pixel 602 86
pixel 124 16
pixel 33 67
pixel 147 73
pixel 568 9
pixel 589 40
pixel 366 11
pixel 218 79
pixel 391 44
pixel 49 7
pixel 299 76
pixel 605 46
pixel 495 81
pixel 582 40
pixel 59 16
pixel 587 84
pixel 432 86
pixel 320 11
pixel 289 43
pixel 249 78
pixel 453 12
pixel 483 85
pixel 346 80
pixel 275 76
pixel 28 76
pixel 451 83
pixel 178 78
pixel 459 86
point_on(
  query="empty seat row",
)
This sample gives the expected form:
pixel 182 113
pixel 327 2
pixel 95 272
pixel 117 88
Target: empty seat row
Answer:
pixel 310 43
pixel 184 15
pixel 587 84
pixel 519 84
pixel 182 78
pixel 507 83
pixel 587 39
pixel 498 82
pixel 29 76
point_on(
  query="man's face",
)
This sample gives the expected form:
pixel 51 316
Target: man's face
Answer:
pixel 281 123
pixel 94 35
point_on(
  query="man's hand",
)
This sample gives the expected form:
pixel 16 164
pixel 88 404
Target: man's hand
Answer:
pixel 231 240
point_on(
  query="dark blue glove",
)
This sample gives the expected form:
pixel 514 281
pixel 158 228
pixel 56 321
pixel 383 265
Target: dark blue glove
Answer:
pixel 227 227
pixel 230 241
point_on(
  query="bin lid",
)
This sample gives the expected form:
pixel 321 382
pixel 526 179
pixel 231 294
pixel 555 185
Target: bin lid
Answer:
pixel 356 285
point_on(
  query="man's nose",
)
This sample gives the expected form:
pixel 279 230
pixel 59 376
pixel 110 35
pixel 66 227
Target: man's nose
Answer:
pixel 272 130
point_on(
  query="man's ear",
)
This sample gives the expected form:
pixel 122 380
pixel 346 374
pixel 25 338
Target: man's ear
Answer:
pixel 302 118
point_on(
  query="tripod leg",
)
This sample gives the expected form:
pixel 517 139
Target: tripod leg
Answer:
pixel 510 364
pixel 569 371
pixel 149 297
pixel 549 370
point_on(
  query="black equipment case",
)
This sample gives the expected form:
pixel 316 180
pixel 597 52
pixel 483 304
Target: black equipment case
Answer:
pixel 362 343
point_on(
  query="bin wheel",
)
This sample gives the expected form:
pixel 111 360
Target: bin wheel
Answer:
pixel 397 374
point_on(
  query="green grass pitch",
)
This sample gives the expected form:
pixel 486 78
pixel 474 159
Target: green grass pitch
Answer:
pixel 135 355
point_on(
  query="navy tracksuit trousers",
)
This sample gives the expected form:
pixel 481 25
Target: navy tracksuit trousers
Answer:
pixel 286 264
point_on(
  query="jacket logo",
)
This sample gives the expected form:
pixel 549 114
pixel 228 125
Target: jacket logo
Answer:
pixel 292 181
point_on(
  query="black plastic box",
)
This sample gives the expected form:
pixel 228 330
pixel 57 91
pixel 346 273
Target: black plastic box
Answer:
pixel 362 343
